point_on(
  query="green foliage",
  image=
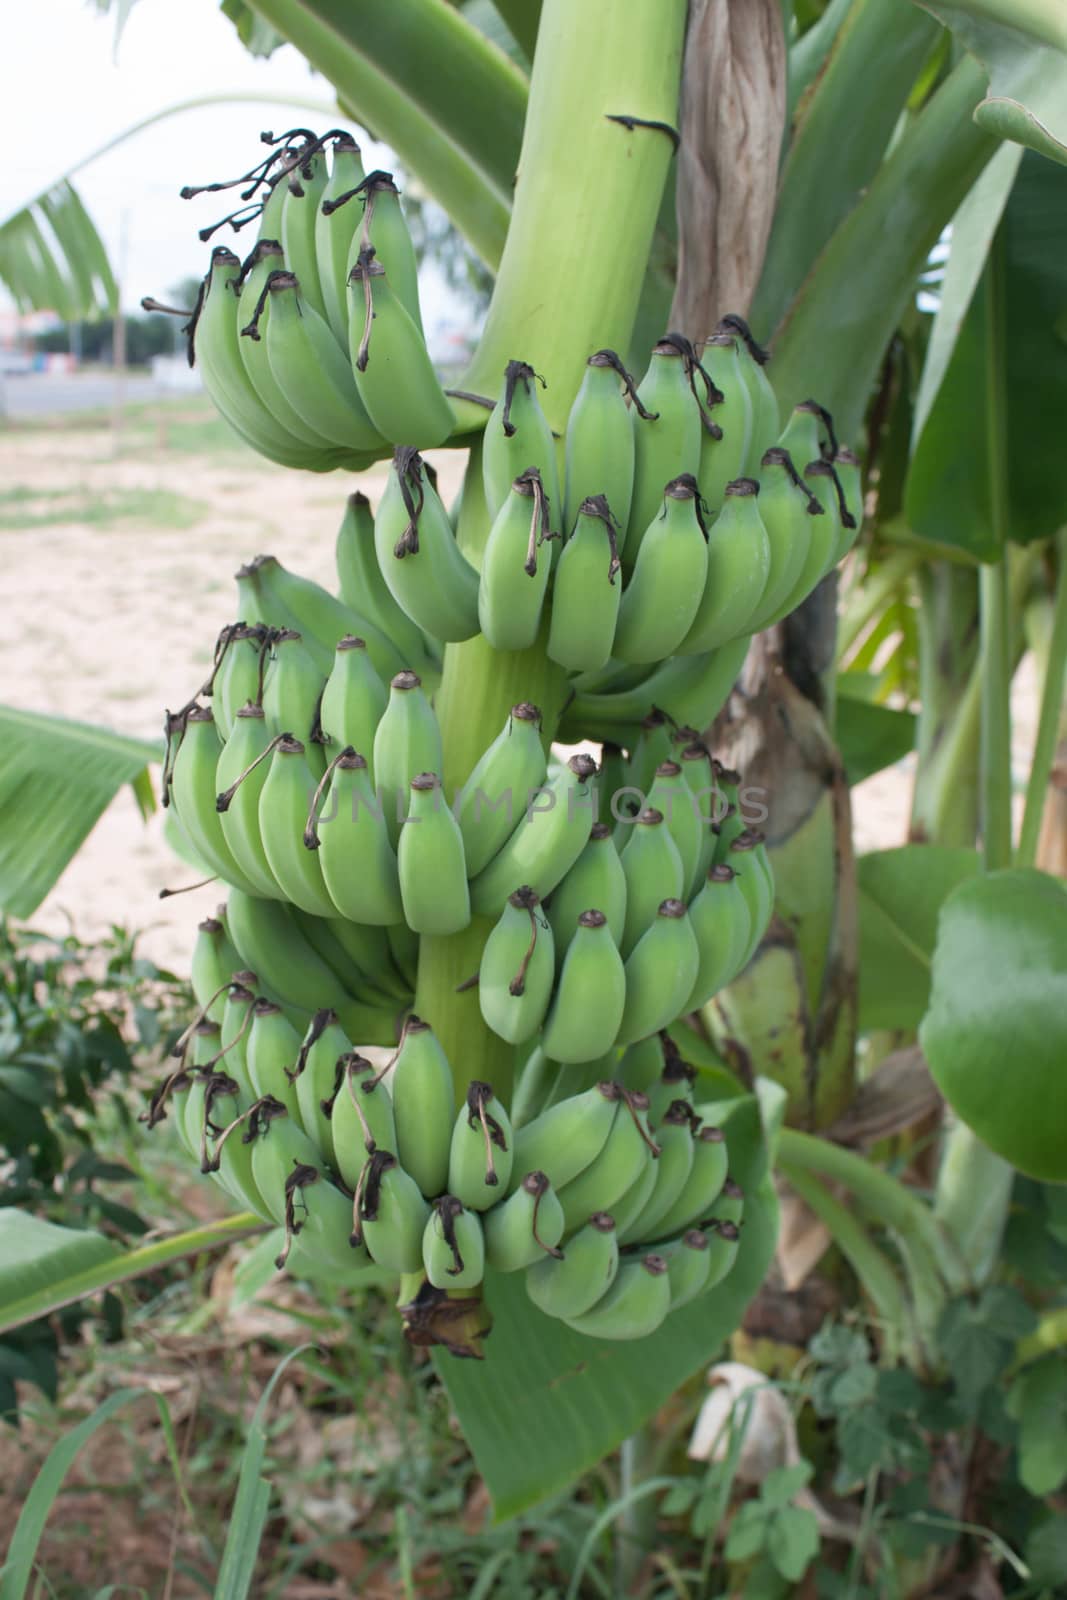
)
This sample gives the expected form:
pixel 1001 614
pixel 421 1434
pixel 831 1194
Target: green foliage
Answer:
pixel 787 1534
pixel 52 258
pixel 901 893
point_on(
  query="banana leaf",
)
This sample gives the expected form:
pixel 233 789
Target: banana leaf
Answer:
pixel 52 258
pixel 56 781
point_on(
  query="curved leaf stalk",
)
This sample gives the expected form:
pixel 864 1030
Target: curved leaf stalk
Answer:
pixel 583 175
pixel 1051 720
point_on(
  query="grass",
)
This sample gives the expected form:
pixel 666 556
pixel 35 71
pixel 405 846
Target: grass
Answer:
pixel 24 506
pixel 185 424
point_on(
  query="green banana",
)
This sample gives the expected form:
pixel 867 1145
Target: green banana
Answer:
pixel 359 866
pixel 214 962
pixel 397 385
pixel 354 698
pixel 357 955
pixel 671 795
pixel 292 691
pixel 660 602
pixel 567 1137
pixel 600 440
pixel 809 433
pixel 428 576
pixel 363 588
pixel 407 741
pixel 239 778
pixel 288 792
pixel 723 459
pixel 653 746
pixel 596 879
pixel 635 1305
pixel 667 441
pixel 787 507
pixel 192 784
pixel 335 227
pixel 703 1185
pixel 689 1261
pixel 586 597
pixel 482 1150
pixel 389 1215
pixel 284 1167
pixel 642 1064
pixel 568 1284
pixel 517 969
pixel 198 1058
pixel 577 1028
pixel 674 1082
pixel 850 483
pixel 691 690
pixel 652 867
pixel 660 972
pixel 730 1206
pixel 385 230
pixel 752 362
pixel 233 1033
pixel 630 1149
pixel 517 436
pixel 512 585
pixel 636 1198
pixel 498 789
pixel 304 190
pixel 739 561
pixel 314 1075
pixel 722 922
pixel 546 842
pixel 453 1245
pixel 430 862
pixel 748 856
pixel 525 1226
pixel 724 1243
pixel 675 1135
pixel 320 617
pixel 253 312
pixel 840 522
pixel 231 1157
pixel 361 1116
pixel 270 1055
pixel 614 776
pixel 423 1111
pixel 698 771
pixel 313 370
pixel 238 681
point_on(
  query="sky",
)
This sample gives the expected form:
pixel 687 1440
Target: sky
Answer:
pixel 64 92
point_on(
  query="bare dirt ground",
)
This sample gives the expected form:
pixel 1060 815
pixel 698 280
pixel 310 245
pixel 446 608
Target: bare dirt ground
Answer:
pixel 117 555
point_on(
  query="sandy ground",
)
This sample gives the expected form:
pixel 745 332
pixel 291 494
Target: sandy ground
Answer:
pixel 110 622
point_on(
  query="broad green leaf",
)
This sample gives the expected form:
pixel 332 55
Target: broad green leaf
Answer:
pixel 793 1541
pixel 52 259
pixel 783 1483
pixel 257 36
pixel 808 53
pixel 547 1404
pixel 57 780
pixel 1024 49
pixel 835 332
pixel 870 737
pixel 1014 335
pixel 839 142
pixel 901 893
pixel 995 1034
pixel 1038 1402
pixel 1046 1551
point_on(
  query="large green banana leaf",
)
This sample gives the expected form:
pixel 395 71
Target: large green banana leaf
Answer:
pixel 52 258
pixel 56 780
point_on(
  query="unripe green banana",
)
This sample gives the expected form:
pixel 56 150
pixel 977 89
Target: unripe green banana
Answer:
pixel 535 1080
pixel 667 441
pixel 517 436
pixel 596 879
pixel 315 1076
pixel 292 689
pixel 286 1170
pixel 511 588
pixel 304 190
pixel 253 312
pixel 357 957
pixel 748 857
pixel 233 1034
pixel 313 370
pixel 665 589
pixel 739 561
pixel 389 1214
pixel 702 1187
pixel 653 746
pixel 635 1305
pixel 335 228
pixel 430 862
pixel 359 865
pixel 525 1227
pixel 809 433
pixel 850 478
pixel 423 1108
pixel 397 385
pixel 286 798
pixel 364 589
pixel 214 962
pixel 628 1151
pixel 729 1207
pixel 600 440
pixel 192 785
pixel 675 1135
pixel 407 741
pixel 361 1116
pixel 587 593
pixel 199 1057
pixel 231 1153
pixel 672 796
pixel 580 1027
pixel 787 507
pixel 517 969
pixel 691 691
pixel 385 229
pixel 614 776
pixel 674 1082
pixel 753 362
pixel 653 871
pixel 689 1262
pixel 724 1241
pixel 642 1064
pixel 723 459
pixel 354 698
pixel 239 777
pixel 660 972
pixel 271 1054
pixel 569 1284
pixel 238 681
pixel 497 791
pixel 482 1150
pixel 567 1137
pixel 722 923
pixel 821 476
pixel 547 841
pixel 453 1245
pixel 428 576
pixel 630 1206
pixel 319 616
pixel 698 771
